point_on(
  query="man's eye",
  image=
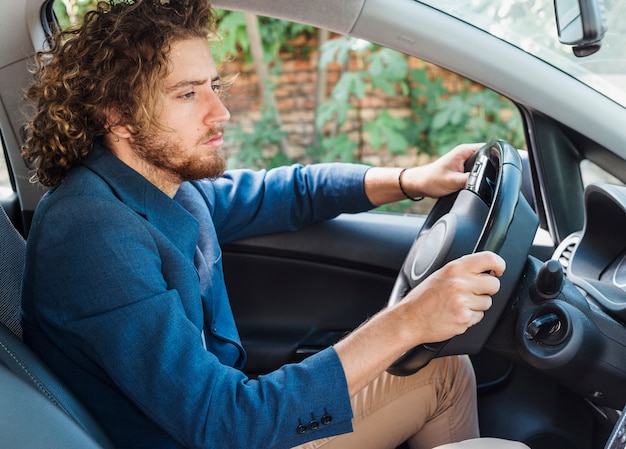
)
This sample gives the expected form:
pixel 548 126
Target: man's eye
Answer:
pixel 219 90
pixel 188 95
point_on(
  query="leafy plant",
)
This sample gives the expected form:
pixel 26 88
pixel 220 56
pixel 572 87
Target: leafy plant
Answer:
pixel 440 118
pixel 258 147
pixel 471 114
pixel 388 131
pixel 337 148
pixel 275 35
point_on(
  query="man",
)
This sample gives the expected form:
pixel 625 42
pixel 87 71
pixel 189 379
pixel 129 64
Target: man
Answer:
pixel 123 293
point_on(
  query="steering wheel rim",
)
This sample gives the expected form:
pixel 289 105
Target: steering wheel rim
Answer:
pixel 474 219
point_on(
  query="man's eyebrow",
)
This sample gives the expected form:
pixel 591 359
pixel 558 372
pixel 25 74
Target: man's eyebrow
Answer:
pixel 185 83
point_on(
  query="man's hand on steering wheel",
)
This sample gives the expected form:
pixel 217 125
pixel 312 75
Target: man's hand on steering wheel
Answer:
pixel 442 177
pixel 453 298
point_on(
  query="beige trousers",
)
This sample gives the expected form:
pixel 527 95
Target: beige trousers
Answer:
pixel 433 407
pixel 484 443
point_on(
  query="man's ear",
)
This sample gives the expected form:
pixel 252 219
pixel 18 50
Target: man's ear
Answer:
pixel 115 125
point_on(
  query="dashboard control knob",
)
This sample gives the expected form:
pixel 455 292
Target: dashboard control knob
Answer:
pixel 549 280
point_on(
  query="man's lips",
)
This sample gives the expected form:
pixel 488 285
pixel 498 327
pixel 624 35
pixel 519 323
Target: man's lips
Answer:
pixel 215 140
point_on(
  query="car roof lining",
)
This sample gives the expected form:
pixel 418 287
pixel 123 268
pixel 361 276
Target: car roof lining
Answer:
pixel 312 12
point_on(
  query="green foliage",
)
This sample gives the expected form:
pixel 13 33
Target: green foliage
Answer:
pixel 337 50
pixel 233 36
pixel 265 133
pixel 440 119
pixel 338 107
pixel 337 148
pixel 470 115
pixel 388 131
pixel 387 69
pixel 275 36
pixel 70 12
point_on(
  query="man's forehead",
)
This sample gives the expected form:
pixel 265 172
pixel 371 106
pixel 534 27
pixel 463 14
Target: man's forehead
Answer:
pixel 190 48
pixel 190 61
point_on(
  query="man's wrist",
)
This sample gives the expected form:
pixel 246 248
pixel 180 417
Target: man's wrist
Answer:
pixel 403 190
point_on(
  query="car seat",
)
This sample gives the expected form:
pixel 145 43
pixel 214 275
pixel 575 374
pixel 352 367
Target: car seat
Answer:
pixel 36 409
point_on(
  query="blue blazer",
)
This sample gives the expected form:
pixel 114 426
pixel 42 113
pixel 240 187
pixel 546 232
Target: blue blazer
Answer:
pixel 124 298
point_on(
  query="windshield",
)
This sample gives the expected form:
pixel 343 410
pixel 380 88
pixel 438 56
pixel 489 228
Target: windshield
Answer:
pixel 531 26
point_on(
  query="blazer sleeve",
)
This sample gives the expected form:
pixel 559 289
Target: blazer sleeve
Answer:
pixel 244 203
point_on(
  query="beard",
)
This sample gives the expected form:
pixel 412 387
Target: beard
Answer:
pixel 170 158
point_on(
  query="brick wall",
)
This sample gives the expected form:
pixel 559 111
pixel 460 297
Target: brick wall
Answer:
pixel 295 96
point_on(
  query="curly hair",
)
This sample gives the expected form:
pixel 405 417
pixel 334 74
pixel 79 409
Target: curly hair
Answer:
pixel 115 61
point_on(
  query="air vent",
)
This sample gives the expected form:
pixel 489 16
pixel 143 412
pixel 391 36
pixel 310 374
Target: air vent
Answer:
pixel 565 251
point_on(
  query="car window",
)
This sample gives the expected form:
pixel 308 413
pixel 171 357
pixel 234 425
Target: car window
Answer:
pixel 304 95
pixel 530 26
pixel 322 97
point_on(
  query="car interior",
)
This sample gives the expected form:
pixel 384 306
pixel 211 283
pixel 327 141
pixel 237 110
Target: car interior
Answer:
pixel 45 409
pixel 549 362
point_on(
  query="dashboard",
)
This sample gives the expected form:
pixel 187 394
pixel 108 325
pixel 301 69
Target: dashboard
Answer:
pixel 569 313
pixel 598 264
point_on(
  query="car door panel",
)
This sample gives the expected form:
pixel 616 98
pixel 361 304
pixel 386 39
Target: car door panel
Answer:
pixel 296 293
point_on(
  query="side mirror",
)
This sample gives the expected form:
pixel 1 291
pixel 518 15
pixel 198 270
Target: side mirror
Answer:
pixel 581 24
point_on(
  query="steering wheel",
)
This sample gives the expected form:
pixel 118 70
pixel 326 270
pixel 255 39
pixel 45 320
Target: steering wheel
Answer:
pixel 489 214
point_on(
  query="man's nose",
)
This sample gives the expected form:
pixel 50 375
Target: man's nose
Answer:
pixel 216 110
